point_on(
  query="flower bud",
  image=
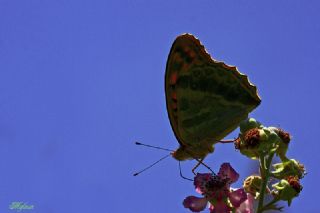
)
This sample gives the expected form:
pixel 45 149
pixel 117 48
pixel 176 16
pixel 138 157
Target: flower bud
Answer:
pixel 252 185
pixel 288 188
pixel 287 168
pixel 283 146
pixel 270 142
pixel 250 123
pixel 248 143
pixel 257 141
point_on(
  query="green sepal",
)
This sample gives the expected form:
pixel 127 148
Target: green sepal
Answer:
pixel 285 191
pixel 249 123
pixel 283 147
pixel 269 141
pixel 290 167
pixel 250 153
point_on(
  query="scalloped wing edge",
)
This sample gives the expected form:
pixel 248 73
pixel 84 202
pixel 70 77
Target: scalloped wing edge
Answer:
pixel 250 86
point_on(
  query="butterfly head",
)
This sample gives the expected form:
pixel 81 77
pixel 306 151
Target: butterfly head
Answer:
pixel 192 152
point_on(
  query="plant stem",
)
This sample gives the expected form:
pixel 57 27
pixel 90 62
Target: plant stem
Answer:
pixel 262 166
pixel 265 167
pixel 267 206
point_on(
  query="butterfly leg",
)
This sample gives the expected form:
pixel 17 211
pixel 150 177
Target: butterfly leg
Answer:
pixel 197 165
pixel 200 162
pixel 181 175
pixel 226 141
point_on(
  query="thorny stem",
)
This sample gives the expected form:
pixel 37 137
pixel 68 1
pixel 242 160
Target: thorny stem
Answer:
pixel 265 167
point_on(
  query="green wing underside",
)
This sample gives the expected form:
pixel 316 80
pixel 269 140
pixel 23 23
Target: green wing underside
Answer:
pixel 206 99
pixel 212 103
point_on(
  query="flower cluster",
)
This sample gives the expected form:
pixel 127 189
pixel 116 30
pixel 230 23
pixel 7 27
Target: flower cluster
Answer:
pixel 217 192
pixel 256 142
pixel 261 143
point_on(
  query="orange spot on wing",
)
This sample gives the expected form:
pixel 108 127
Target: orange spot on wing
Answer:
pixel 174 106
pixel 174 96
pixel 192 54
pixel 185 67
pixel 173 78
pixel 177 58
pixel 186 49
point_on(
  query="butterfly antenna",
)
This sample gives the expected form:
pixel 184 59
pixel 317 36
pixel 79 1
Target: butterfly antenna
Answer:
pixel 170 150
pixel 155 147
pixel 148 167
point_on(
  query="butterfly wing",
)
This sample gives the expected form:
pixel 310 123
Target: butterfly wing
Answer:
pixel 206 99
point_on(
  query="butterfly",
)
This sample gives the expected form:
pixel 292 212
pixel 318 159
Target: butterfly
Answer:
pixel 206 99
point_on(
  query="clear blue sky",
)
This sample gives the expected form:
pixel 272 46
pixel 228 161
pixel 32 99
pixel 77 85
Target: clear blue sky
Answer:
pixel 80 81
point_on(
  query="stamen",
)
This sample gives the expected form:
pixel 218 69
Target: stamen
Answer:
pixel 252 137
pixel 285 136
pixel 294 183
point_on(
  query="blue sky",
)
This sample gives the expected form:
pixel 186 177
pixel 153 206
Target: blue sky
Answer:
pixel 80 81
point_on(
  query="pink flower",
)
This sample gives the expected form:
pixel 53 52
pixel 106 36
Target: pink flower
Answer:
pixel 246 206
pixel 216 190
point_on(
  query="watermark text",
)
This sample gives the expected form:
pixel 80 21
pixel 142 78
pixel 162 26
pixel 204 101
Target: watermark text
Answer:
pixel 19 206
